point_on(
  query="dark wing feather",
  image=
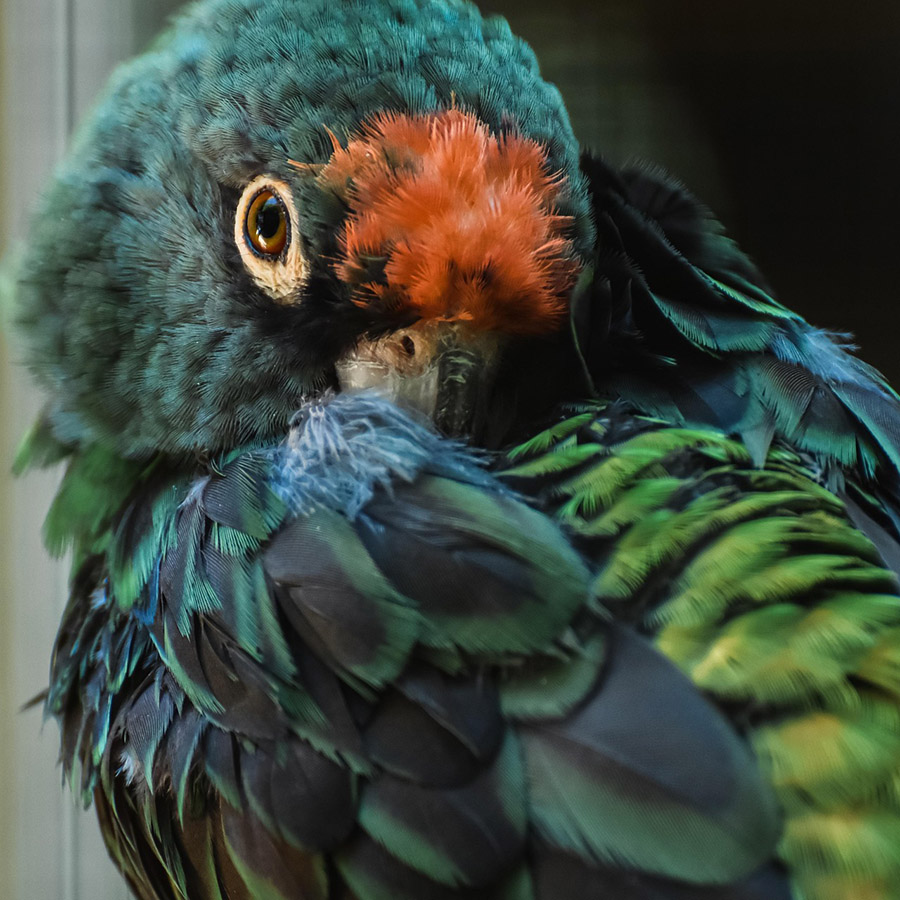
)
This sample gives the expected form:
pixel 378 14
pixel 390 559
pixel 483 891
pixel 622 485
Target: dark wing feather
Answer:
pixel 416 699
pixel 466 835
pixel 642 776
pixel 435 729
pixel 569 876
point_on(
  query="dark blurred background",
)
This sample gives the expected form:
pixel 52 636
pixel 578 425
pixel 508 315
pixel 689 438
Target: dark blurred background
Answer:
pixel 784 117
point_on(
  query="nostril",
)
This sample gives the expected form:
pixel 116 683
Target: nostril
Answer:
pixel 408 345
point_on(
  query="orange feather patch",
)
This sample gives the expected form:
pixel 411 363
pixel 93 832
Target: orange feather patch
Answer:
pixel 450 222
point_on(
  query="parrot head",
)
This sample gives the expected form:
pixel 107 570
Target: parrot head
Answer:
pixel 289 197
pixel 450 243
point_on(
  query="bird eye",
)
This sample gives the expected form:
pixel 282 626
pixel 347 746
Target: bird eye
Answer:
pixel 266 227
pixel 268 240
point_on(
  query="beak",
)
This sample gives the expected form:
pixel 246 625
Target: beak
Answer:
pixel 443 370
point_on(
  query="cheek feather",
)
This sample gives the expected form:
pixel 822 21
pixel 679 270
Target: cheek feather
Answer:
pixel 447 221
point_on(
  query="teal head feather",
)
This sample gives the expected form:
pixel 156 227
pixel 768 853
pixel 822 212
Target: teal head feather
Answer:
pixel 143 321
pixel 156 330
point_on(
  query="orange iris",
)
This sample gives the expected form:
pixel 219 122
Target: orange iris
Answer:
pixel 266 226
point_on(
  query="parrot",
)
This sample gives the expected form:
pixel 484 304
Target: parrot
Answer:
pixel 451 513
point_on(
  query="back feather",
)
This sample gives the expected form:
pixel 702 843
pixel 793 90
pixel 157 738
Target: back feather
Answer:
pixel 680 323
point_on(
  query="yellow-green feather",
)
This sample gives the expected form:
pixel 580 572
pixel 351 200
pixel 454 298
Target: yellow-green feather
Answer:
pixel 755 582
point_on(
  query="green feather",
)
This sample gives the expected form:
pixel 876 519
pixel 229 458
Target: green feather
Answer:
pixel 551 687
pixel 552 436
pixel 426 851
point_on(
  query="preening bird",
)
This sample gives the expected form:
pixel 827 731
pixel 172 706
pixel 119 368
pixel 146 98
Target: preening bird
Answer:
pixel 452 515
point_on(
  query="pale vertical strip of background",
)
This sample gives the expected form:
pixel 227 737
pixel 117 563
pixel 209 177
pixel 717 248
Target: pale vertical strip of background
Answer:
pixel 55 55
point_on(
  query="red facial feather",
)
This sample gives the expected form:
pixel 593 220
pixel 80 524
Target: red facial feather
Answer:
pixel 465 223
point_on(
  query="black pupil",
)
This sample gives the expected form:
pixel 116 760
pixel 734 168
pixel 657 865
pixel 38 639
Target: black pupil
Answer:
pixel 269 218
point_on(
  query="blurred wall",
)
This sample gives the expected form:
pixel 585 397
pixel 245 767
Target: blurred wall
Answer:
pixel 54 56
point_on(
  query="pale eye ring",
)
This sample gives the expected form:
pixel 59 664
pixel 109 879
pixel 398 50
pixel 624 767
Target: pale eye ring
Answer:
pixel 265 232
